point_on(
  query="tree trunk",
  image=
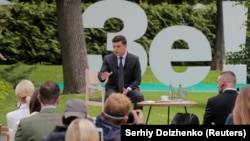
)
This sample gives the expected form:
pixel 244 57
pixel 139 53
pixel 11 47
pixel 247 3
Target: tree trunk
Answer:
pixel 219 51
pixel 72 43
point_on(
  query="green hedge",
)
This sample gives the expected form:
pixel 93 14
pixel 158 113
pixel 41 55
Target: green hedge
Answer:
pixel 5 88
pixel 30 29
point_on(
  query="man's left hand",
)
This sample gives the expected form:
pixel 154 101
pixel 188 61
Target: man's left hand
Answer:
pixel 125 91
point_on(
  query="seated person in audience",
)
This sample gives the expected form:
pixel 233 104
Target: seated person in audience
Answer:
pixel 34 107
pixel 74 108
pixel 23 90
pixel 221 105
pixel 241 110
pixel 37 126
pixel 116 113
pixel 82 129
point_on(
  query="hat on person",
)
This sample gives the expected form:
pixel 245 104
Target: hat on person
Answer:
pixel 75 108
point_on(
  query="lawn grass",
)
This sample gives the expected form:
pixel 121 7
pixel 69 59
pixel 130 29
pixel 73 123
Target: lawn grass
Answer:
pixel 158 114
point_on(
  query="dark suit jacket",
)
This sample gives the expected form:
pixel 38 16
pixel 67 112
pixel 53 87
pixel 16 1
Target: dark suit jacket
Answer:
pixel 35 127
pixel 132 71
pixel 219 107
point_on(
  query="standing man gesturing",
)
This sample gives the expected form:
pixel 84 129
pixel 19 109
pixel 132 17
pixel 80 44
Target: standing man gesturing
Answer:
pixel 122 71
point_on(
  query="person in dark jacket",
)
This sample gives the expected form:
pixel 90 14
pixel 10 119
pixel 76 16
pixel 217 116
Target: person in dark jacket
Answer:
pixel 74 108
pixel 116 113
pixel 122 72
pixel 221 105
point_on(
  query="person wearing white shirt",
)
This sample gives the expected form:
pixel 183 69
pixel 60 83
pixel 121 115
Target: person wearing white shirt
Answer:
pixel 23 90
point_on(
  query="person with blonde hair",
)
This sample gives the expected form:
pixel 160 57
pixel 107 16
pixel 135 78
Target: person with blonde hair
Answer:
pixel 241 111
pixel 23 90
pixel 37 126
pixel 34 107
pixel 82 129
pixel 116 113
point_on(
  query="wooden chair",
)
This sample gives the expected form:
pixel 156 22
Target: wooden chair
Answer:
pixel 95 91
pixel 4 133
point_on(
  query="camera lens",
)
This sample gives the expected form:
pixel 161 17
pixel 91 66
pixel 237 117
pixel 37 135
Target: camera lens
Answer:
pixel 130 118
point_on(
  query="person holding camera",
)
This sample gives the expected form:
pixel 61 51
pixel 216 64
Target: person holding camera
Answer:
pixel 116 113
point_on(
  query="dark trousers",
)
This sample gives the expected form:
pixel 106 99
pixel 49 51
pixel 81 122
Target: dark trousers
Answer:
pixel 134 95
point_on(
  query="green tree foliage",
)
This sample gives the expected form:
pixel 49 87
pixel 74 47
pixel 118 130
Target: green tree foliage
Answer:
pixel 30 34
pixel 160 1
pixel 10 76
pixel 15 72
pixel 242 57
pixel 30 29
pixel 159 17
pixel 4 89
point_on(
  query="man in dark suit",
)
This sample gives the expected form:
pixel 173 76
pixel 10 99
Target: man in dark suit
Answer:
pixel 131 72
pixel 35 127
pixel 221 105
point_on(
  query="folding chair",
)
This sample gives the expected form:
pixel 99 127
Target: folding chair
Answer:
pixel 93 89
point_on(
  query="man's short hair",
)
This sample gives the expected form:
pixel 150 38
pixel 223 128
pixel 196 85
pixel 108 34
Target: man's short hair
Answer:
pixel 119 38
pixel 229 76
pixel 117 105
pixel 49 92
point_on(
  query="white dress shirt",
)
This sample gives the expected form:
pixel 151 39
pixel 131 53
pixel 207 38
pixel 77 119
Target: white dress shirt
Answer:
pixel 15 116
